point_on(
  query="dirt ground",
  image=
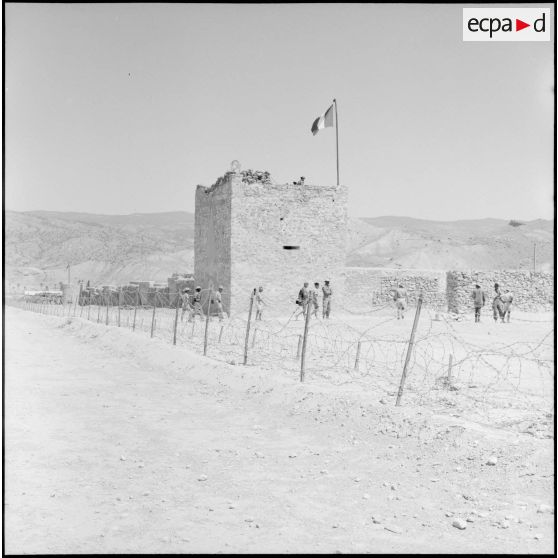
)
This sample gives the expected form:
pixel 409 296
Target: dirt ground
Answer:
pixel 118 443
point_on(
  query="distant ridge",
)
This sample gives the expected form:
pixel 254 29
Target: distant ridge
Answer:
pixel 151 246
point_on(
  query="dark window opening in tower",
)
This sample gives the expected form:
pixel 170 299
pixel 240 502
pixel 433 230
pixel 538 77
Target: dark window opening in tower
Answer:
pixel 291 247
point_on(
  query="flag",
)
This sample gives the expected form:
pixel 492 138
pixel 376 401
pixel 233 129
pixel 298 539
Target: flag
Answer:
pixel 324 121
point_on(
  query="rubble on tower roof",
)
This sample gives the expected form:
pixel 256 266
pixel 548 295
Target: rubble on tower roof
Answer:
pixel 251 176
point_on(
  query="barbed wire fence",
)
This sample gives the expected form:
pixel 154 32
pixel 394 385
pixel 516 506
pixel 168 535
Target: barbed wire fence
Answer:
pixel 365 349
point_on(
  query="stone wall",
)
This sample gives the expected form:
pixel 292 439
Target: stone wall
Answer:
pixel 532 291
pixel 367 287
pixel 251 233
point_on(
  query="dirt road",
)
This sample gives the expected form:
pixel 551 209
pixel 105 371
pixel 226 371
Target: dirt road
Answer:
pixel 117 443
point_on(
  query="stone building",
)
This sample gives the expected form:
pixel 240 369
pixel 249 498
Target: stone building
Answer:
pixel 250 231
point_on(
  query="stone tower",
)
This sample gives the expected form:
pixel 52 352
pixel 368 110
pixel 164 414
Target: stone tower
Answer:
pixel 251 232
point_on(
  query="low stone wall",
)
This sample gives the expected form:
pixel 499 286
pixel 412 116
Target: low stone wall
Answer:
pixel 532 291
pixel 366 287
pixel 369 287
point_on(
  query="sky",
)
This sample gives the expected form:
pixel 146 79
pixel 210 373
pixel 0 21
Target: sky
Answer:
pixel 125 108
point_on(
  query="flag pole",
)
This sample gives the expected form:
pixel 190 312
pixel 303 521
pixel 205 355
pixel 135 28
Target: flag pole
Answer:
pixel 336 139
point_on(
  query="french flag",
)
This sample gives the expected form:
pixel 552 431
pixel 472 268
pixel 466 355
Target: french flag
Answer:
pixel 323 121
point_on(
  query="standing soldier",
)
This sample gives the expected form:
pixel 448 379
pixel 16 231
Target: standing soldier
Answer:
pixel 497 304
pixel 313 300
pixel 507 299
pixel 219 303
pixel 186 305
pixel 259 303
pixel 401 300
pixel 197 311
pixel 326 303
pixel 302 301
pixel 479 300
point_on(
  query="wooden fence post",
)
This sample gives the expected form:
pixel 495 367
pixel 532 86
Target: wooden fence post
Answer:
pixel 135 310
pixel 176 319
pixel 409 350
pixel 357 359
pixel 209 302
pixel 298 349
pixel 153 319
pixel 119 302
pixel 304 340
pixel 88 305
pixel 248 326
pixel 98 310
pixel 449 369
pixel 221 333
pixel 254 337
pixel 81 304
pixel 77 299
pixel 108 299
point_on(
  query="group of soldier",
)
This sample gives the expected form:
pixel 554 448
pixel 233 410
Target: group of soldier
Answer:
pixel 192 304
pixel 308 300
pixel 501 303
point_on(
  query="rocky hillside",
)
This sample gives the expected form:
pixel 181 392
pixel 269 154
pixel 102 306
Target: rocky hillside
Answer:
pixel 120 248
pixel 483 244
pixel 102 248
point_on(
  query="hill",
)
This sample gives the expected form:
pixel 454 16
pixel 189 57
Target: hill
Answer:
pixel 102 248
pixel 481 244
pixel 151 246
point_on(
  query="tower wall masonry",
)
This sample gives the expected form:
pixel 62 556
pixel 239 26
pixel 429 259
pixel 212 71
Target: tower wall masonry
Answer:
pixel 243 227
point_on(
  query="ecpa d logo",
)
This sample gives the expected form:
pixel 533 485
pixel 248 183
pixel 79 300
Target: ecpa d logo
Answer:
pixel 506 24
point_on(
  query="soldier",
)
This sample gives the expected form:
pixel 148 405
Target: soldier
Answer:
pixel 326 302
pixel 497 304
pixel 479 300
pixel 186 305
pixel 507 299
pixel 259 303
pixel 302 301
pixel 219 303
pixel 197 310
pixel 313 300
pixel 401 301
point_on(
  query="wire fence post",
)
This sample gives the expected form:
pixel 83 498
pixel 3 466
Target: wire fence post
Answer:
pixel 119 302
pixel 175 319
pixel 357 359
pixel 80 300
pixel 304 341
pixel 248 326
pixel 98 310
pixel 77 300
pixel 450 369
pixel 108 298
pixel 88 305
pixel 135 310
pixel 153 318
pixel 209 302
pixel 409 350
